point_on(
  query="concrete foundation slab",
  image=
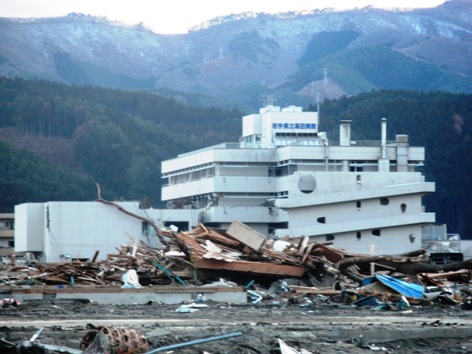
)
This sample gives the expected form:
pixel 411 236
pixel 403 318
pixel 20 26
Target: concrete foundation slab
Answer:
pixel 117 295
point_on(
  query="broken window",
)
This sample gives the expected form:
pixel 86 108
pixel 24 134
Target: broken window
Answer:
pixel 145 230
pixel 322 220
pixel 376 232
pixel 384 201
pixel 329 237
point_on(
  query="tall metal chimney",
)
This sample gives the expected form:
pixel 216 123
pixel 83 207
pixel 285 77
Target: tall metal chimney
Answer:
pixel 384 162
pixel 345 140
pixel 345 133
pixel 384 138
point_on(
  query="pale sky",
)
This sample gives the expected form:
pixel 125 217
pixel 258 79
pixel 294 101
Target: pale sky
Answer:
pixel 177 16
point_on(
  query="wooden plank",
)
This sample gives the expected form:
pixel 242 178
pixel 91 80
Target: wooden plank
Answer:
pixel 311 290
pixel 462 273
pixel 246 235
pixel 303 244
pixel 217 237
pixel 307 252
pixel 330 254
pixel 282 256
pixel 251 267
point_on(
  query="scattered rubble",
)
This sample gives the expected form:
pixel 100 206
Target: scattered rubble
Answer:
pixel 273 273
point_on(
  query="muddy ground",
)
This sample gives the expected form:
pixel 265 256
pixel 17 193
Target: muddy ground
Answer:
pixel 323 327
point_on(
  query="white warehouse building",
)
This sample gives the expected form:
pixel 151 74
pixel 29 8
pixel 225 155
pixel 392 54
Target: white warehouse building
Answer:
pixel 284 179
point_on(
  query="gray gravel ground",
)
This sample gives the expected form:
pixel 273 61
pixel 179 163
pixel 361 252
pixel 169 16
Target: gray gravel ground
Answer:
pixel 318 328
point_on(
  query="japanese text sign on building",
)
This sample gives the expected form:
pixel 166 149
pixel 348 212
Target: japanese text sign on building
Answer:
pixel 293 125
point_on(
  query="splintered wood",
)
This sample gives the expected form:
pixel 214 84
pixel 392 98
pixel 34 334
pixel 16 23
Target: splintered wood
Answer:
pixel 245 254
pixel 204 253
pixel 152 266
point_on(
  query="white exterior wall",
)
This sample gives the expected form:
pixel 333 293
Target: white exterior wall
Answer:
pixel 342 217
pixel 381 222
pixel 348 211
pixel 191 159
pixel 343 186
pixel 77 229
pixel 247 214
pixel 241 201
pixel 252 125
pixel 65 230
pixel 234 185
pixel 188 189
pixel 247 171
pixel 335 201
pixel 393 241
pixel 29 227
pixel 216 154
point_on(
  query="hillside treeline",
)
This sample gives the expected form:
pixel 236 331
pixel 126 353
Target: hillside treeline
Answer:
pixel 118 139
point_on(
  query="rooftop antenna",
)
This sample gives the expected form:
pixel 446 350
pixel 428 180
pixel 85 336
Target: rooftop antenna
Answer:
pixel 269 100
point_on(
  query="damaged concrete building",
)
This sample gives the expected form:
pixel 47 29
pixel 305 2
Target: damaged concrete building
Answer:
pixel 285 178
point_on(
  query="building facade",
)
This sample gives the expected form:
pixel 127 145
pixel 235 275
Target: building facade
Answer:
pixel 286 179
pixel 64 231
pixel 7 227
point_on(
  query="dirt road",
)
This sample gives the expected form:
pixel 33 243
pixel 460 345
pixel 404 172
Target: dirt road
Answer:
pixel 318 328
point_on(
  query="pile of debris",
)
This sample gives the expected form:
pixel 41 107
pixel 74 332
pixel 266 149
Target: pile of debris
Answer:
pixel 248 258
pixel 272 272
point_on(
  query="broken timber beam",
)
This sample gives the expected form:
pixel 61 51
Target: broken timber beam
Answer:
pixel 251 267
pixel 317 291
pixel 123 210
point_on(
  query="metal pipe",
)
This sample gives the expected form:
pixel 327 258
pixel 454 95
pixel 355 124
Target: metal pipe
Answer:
pixel 194 342
pixel 36 335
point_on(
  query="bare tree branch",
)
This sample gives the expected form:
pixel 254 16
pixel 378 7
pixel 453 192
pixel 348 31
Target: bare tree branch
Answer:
pixel 123 210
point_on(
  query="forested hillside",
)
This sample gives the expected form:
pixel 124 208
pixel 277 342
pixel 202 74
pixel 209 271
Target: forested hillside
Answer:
pixel 118 139
pixel 26 178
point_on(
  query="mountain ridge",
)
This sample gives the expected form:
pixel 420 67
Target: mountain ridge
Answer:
pixel 225 57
